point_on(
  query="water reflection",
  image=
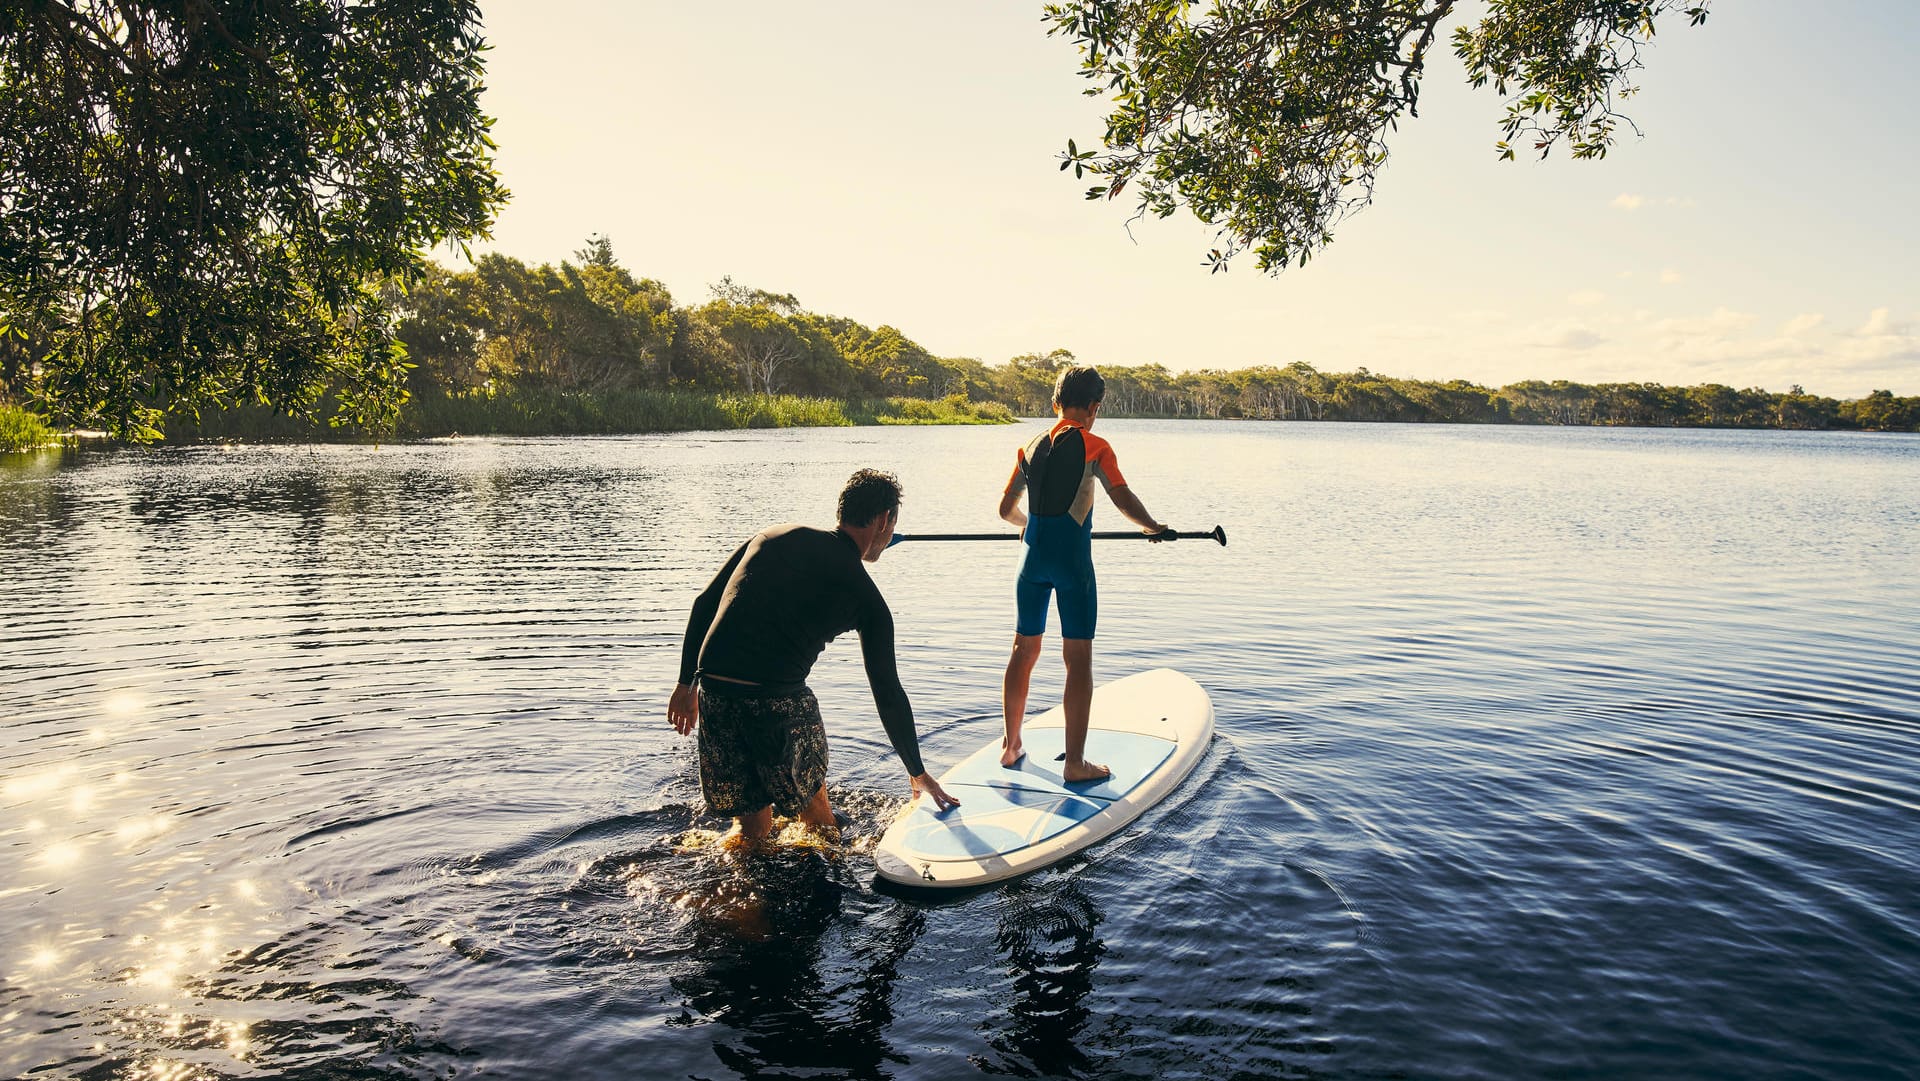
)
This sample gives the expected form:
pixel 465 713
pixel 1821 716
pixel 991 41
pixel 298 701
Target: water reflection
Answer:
pixel 797 963
pixel 1048 935
pixel 1675 658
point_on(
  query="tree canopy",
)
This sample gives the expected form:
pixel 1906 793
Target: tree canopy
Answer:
pixel 219 201
pixel 1269 118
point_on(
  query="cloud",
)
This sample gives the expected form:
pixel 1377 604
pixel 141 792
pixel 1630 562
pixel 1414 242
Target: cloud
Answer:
pixel 1670 276
pixel 1880 324
pixel 1721 348
pixel 1587 296
pixel 1630 202
pixel 1577 337
pixel 1724 322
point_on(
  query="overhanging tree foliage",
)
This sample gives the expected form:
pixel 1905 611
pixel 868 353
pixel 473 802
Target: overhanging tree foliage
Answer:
pixel 1269 118
pixel 213 201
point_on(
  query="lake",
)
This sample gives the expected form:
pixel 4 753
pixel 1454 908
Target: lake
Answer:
pixel 1567 753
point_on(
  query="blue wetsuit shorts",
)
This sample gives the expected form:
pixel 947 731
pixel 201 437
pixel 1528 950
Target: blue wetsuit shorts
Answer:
pixel 1057 561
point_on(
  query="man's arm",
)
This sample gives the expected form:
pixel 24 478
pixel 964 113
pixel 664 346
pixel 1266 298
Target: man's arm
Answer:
pixel 875 625
pixel 683 709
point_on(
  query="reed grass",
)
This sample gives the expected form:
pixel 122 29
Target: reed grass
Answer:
pixel 21 429
pixel 527 411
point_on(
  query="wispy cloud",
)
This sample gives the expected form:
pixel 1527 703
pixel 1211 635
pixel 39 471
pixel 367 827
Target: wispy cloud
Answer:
pixel 1576 337
pixel 1671 276
pixel 1722 347
pixel 1587 297
pixel 1629 201
pixel 1880 324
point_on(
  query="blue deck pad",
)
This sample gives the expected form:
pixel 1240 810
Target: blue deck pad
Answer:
pixel 1132 756
pixel 993 822
pixel 1003 810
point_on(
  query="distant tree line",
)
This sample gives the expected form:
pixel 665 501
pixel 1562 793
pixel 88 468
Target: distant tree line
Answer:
pixel 590 326
pixel 588 346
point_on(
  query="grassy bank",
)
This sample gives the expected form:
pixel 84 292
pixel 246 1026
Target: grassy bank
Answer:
pixel 517 411
pixel 21 430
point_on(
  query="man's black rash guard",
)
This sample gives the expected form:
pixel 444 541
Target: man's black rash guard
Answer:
pixel 777 603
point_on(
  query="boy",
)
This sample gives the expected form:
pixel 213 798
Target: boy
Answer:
pixel 1057 471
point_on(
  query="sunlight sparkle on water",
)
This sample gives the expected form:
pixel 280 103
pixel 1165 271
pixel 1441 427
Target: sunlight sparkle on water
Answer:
pixel 141 829
pixel 239 1038
pixel 39 785
pixel 124 704
pixel 63 855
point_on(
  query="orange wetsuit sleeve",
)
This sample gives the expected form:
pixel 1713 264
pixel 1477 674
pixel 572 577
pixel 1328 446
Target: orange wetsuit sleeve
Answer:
pixel 1100 456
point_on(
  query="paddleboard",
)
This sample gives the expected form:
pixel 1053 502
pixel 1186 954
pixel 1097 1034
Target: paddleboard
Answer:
pixel 1151 728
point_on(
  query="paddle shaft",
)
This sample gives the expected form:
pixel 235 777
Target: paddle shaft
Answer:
pixel 1217 533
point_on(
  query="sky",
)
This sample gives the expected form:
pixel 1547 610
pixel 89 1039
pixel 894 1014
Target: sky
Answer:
pixel 897 163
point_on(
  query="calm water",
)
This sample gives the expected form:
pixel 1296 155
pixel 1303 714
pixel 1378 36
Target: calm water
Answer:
pixel 1542 753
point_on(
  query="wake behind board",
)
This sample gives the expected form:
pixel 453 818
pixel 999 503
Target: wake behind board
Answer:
pixel 1151 728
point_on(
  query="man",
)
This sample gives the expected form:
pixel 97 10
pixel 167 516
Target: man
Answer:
pixel 751 641
pixel 1057 471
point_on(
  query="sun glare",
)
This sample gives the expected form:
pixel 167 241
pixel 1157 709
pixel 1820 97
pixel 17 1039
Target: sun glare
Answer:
pixel 39 785
pixel 61 856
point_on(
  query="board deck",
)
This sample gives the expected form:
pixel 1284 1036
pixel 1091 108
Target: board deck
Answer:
pixel 1149 728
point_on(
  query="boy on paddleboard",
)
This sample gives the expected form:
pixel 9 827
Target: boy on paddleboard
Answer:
pixel 1058 471
pixel 751 641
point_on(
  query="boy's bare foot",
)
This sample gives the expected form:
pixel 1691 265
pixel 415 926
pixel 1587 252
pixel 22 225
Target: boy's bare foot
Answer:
pixel 1084 772
pixel 1010 755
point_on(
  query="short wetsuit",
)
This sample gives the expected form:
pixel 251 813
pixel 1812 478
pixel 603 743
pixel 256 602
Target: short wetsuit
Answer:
pixel 1058 470
pixel 752 638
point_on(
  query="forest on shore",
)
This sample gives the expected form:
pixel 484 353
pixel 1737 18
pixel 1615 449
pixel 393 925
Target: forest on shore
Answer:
pixel 587 347
pixel 590 327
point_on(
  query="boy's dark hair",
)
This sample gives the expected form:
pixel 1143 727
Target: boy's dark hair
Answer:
pixel 869 492
pixel 1078 387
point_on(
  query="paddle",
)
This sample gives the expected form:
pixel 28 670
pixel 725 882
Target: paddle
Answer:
pixel 1217 533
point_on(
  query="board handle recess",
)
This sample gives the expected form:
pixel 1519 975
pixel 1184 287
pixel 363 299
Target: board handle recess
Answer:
pixel 1217 533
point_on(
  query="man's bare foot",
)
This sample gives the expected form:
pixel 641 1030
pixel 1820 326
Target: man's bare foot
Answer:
pixel 1083 772
pixel 739 840
pixel 1010 755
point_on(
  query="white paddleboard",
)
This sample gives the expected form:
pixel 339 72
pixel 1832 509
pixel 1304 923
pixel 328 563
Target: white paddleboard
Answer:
pixel 1151 728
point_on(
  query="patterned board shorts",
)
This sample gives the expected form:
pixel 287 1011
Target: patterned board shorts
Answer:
pixel 760 750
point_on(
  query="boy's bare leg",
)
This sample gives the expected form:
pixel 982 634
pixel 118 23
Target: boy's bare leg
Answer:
pixel 1078 706
pixel 1013 693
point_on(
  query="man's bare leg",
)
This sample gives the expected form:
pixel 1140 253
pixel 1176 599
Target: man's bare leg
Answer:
pixel 753 826
pixel 1078 707
pixel 818 816
pixel 1013 693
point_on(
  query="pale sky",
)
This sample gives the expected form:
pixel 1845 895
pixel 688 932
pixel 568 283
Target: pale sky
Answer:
pixel 895 162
